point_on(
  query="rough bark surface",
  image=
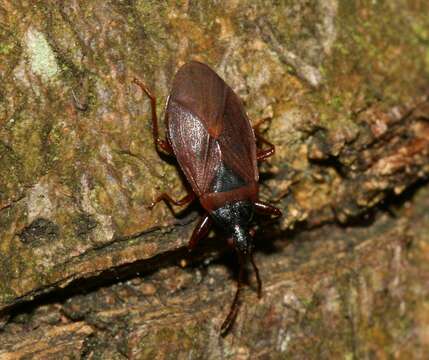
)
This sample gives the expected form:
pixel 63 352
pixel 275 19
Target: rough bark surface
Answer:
pixel 346 84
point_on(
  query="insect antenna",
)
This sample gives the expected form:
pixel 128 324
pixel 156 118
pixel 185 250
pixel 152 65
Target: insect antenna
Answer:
pixel 235 304
pixel 255 268
pixel 258 279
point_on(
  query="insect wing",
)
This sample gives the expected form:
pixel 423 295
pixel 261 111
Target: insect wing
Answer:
pixel 237 140
pixel 201 91
pixel 207 124
pixel 197 152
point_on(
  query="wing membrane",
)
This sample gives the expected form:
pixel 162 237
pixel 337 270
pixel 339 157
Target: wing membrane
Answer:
pixel 197 152
pixel 207 125
pixel 237 140
pixel 200 90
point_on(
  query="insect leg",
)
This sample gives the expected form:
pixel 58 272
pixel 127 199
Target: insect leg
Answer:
pixel 163 144
pixel 266 209
pixel 260 122
pixel 235 304
pixel 264 153
pixel 200 231
pixel 188 198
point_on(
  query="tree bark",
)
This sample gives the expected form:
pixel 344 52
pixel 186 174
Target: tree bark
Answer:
pixel 87 269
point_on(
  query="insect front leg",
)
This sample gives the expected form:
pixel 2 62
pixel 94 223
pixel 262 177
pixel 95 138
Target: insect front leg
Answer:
pixel 163 144
pixel 266 209
pixel 201 230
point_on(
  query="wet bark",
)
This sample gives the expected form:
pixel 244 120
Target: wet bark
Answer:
pixel 87 270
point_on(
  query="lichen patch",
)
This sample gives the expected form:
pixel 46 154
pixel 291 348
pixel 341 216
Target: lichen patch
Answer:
pixel 40 55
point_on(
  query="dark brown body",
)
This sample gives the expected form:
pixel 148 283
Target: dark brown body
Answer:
pixel 211 137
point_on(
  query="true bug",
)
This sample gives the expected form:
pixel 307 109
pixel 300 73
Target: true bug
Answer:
pixel 211 137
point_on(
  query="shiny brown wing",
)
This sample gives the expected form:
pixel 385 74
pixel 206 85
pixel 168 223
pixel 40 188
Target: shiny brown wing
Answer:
pixel 237 140
pixel 197 152
pixel 207 126
pixel 201 91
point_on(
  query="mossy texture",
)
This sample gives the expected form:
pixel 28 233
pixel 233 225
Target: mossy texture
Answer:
pixel 345 83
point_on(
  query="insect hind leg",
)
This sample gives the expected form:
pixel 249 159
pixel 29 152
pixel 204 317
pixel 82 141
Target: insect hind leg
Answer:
pixel 263 154
pixel 163 144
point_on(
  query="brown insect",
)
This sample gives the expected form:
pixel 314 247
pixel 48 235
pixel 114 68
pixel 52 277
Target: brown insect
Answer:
pixel 211 137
